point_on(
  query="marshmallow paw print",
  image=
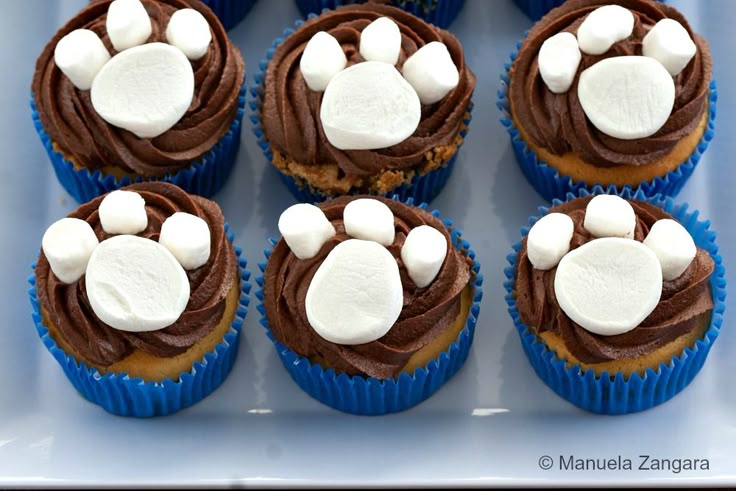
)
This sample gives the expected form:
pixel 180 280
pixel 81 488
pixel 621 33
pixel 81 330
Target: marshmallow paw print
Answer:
pixel 133 283
pixel 611 284
pixel 144 88
pixel 356 294
pixel 371 105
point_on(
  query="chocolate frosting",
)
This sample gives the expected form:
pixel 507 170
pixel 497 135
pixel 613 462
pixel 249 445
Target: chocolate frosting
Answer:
pixel 290 114
pixel 426 313
pixel 558 123
pixel 683 299
pixel 80 133
pixel 69 310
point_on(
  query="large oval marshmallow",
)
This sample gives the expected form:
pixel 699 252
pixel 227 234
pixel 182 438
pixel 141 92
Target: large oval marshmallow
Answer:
pixel 673 245
pixel 609 286
pixel 369 219
pixel 431 71
pixel 356 294
pixel 305 228
pixel 610 216
pixel 669 43
pixel 187 237
pixel 322 59
pixel 189 31
pixel 559 58
pixel 603 27
pixel 369 106
pixel 127 24
pixel 381 41
pixel 627 97
pixel 68 245
pixel 549 240
pixel 145 89
pixel 80 55
pixel 423 254
pixel 123 212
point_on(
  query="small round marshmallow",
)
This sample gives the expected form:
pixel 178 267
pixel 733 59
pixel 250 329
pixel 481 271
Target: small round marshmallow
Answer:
pixel 670 44
pixel 549 240
pixel 123 212
pixel 381 41
pixel 187 237
pixel 559 58
pixel 673 245
pixel 305 228
pixel 322 59
pixel 68 245
pixel 603 27
pixel 369 219
pixel 431 72
pixel 80 55
pixel 609 286
pixel 423 254
pixel 127 24
pixel 610 216
pixel 136 284
pixel 356 294
pixel 189 31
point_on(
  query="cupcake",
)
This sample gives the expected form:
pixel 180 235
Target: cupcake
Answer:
pixel 366 99
pixel 617 95
pixel 140 297
pixel 617 300
pixel 371 303
pixel 230 12
pixel 140 90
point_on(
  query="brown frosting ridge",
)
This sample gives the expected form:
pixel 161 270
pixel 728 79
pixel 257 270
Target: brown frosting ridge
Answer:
pixel 81 134
pixel 290 114
pixel 683 299
pixel 558 123
pixel 426 313
pixel 68 308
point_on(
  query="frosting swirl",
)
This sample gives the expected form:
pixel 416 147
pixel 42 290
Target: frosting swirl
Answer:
pixel 69 310
pixel 73 124
pixel 291 111
pixel 683 299
pixel 558 123
pixel 426 312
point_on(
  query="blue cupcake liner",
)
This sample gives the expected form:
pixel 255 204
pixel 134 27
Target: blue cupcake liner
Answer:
pixel 422 188
pixel 438 12
pixel 204 177
pixel 363 395
pixel 614 393
pixel 125 396
pixel 230 12
pixel 551 185
pixel 536 9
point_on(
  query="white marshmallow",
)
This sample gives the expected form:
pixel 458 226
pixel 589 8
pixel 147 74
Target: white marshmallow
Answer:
pixel 431 71
pixel 123 212
pixel 673 245
pixel 603 27
pixel 187 237
pixel 189 31
pixel 369 106
pixel 627 97
pixel 145 89
pixel 423 254
pixel 369 219
pixel 609 286
pixel 669 43
pixel 136 284
pixel 80 55
pixel 356 295
pixel 322 59
pixel 305 228
pixel 610 216
pixel 127 24
pixel 381 41
pixel 549 240
pixel 559 58
pixel 67 245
